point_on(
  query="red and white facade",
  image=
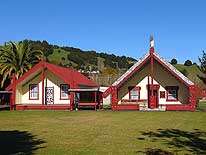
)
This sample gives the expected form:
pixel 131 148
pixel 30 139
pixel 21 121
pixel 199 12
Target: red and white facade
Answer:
pixel 47 86
pixel 153 83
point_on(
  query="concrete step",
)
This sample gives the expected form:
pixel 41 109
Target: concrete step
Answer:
pixel 155 109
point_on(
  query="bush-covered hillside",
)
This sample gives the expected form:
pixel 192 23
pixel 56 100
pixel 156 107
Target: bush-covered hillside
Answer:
pixel 79 59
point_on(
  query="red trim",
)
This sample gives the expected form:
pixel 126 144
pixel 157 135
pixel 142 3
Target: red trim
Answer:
pixel 30 98
pixel 172 88
pixel 61 85
pixel 42 107
pixel 126 107
pixel 138 88
pixel 114 96
pixel 42 79
pixel 155 86
pixel 136 69
pixel 175 107
pixel 107 92
pixel 152 72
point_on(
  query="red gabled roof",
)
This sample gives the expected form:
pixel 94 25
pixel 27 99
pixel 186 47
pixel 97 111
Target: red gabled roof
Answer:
pixel 68 75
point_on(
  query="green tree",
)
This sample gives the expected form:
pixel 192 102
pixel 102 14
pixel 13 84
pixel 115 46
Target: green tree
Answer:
pixel 188 63
pixel 17 58
pixel 202 66
pixel 174 61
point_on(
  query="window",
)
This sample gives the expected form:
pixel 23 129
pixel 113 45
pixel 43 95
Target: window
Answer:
pixel 172 93
pixel 64 91
pixel 134 93
pixel 33 92
pixel 162 94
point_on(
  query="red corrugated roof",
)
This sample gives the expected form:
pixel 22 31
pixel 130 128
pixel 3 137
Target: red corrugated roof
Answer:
pixel 68 75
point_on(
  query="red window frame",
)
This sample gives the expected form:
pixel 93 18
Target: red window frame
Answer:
pixel 61 90
pixel 31 86
pixel 131 88
pixel 162 94
pixel 172 88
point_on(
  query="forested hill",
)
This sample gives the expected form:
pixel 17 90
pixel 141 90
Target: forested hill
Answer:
pixel 79 59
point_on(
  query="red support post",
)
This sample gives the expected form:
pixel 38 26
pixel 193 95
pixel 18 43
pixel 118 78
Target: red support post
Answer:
pixel 95 100
pixel 152 98
pixel 192 98
pixel 43 76
pixel 13 96
pixel 114 98
pixel 72 95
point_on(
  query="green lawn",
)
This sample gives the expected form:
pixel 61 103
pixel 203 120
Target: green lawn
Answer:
pixel 102 132
pixel 201 106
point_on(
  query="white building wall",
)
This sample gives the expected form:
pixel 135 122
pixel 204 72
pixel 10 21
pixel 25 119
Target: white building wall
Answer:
pixel 50 80
pixel 143 92
pixel 107 100
pixel 24 89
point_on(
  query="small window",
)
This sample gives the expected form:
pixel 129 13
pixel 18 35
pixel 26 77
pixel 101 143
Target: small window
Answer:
pixel 172 93
pixel 64 91
pixel 134 93
pixel 33 92
pixel 162 94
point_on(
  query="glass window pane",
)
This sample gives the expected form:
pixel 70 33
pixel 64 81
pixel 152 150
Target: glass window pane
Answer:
pixel 64 91
pixel 134 94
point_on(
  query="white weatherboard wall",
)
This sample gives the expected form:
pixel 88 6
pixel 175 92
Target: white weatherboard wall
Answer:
pixel 107 100
pixel 51 80
pixel 143 92
pixel 23 89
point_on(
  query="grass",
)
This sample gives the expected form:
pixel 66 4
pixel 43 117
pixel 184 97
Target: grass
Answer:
pixel 103 132
pixel 201 106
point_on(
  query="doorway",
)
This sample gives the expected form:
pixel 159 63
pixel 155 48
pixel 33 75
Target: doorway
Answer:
pixel 155 103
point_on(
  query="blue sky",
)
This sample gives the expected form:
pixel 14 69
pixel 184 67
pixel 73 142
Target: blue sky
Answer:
pixel 121 27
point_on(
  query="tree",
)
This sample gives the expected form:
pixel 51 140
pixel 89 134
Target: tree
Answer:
pixel 17 58
pixel 174 61
pixel 202 61
pixel 188 63
pixel 44 46
pixel 202 66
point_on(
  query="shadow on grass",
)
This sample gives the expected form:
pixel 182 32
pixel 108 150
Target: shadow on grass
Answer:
pixel 192 142
pixel 18 142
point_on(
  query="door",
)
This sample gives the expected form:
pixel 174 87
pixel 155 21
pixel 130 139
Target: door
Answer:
pixel 154 103
pixel 49 95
